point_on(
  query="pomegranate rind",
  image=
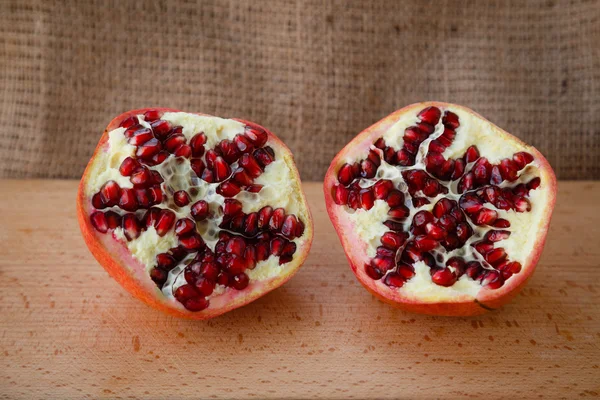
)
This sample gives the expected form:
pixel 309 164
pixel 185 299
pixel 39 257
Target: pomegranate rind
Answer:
pixel 355 249
pixel 130 273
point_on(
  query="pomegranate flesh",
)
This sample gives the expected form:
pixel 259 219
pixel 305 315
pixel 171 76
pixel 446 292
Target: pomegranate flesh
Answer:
pixel 439 210
pixel 178 208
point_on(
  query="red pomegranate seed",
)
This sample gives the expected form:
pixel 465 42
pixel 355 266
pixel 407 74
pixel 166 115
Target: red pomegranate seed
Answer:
pixel 250 224
pixel 443 206
pixel 243 144
pixel 205 286
pixel 379 143
pixel 472 154
pixel 156 195
pixel 382 188
pixel 385 252
pixel 394 280
pixel 276 220
pixel 382 264
pixel 399 212
pixel 184 226
pixel 197 166
pixel 110 193
pixel 444 277
pixel 522 158
pixel 159 276
pixel 253 188
pixel 237 223
pixel 113 220
pixel 466 183
pixel 288 228
pixel 141 177
pixel 433 161
pixel 208 176
pixel 264 156
pixel 473 269
pixel 142 198
pixel 250 165
pixel 158 158
pixel 98 220
pixel 496 236
pixel 199 210
pixel 495 256
pixel 197 144
pixel 463 232
pixel 495 176
pixel 128 201
pixel 211 156
pixel 129 121
pixel 161 128
pixel 192 242
pixel 231 207
pixel 184 151
pixel 264 216
pixel 128 166
pixel 240 176
pixel 181 198
pixel 405 158
pixel 340 195
pixel 522 204
pixel 508 169
pixel 367 169
pixel 470 203
pixel 374 158
pixel 458 264
pixel 431 115
pixel 450 120
pixel 140 137
pixel 277 246
pixel 257 136
pixel 209 270
pixel 221 170
pixel 484 247
pixel 416 178
pixel 236 245
pixel 436 146
pixel 262 251
pixel 165 222
pixel 492 279
pixel 432 188
pixel 165 261
pixel 173 142
pixel 152 115
pixel 345 175
pixel 367 199
pixel 421 218
pixel 393 240
pixel 395 198
pixel 354 199
pixel 239 281
pixel 228 150
pixel 485 217
pixel 534 183
pixel 131 226
pixel 424 243
pixel 414 135
pixel 151 216
pixel 97 201
pixel 481 170
pixel 435 231
pixel 373 272
pixel 148 149
pixel 228 189
pixel 405 270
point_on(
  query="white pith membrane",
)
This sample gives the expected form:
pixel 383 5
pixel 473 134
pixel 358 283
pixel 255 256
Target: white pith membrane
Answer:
pixel 280 190
pixel 369 225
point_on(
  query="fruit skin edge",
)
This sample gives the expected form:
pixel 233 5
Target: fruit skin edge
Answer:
pixel 487 299
pixel 119 266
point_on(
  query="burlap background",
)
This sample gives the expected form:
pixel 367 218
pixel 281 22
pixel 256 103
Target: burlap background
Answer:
pixel 314 72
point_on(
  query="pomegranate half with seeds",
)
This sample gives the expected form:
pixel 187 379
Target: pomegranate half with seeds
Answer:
pixel 439 210
pixel 193 214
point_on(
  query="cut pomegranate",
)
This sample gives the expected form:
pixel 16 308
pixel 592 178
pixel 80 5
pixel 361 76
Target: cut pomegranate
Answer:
pixel 158 207
pixel 452 221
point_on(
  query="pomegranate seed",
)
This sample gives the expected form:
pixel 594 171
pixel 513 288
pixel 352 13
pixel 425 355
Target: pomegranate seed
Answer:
pixel 484 247
pixel 395 198
pixel 416 178
pixel 131 226
pixel 399 212
pixel 165 222
pixel 466 183
pixel 424 243
pixel 444 277
pixel 508 169
pixel 470 203
pixel 345 175
pixel 382 188
pixel 98 220
pixel 522 204
pixel 192 242
pixel 288 228
pixel 140 177
pixel 481 170
pixel 239 281
pixel 208 176
pixel 165 261
pixel 262 251
pixel 221 170
pixel 250 165
pixel 231 207
pixel 251 224
pixel 209 270
pixel 161 128
pixel 473 269
pixel 340 195
pixel 276 220
pixel 405 158
pixel 199 210
pixel 205 286
pixel 414 135
pixel 435 231
pixel 173 142
pixel 373 272
pixel 431 115
pixel 228 189
pixel 393 240
pixel 443 206
pixel 385 252
pixel 181 198
pixel 288 250
pixel 485 217
pixel 113 220
pixel 405 270
pixel 152 115
pixel 240 176
pixel 237 223
pixel 394 226
pixel 421 218
pixel 492 279
pixel 211 156
pixel 257 136
pixel 142 198
pixel 495 177
pixel 457 264
pixel 151 216
pixel 127 166
pixel 129 121
pixel 433 161
pixel 243 144
pixel 367 169
pixel 97 201
pixel 110 193
pixel 432 188
pixel 264 156
pixel 184 151
pixel 197 144
pixel 463 232
pixel 197 166
pixel 389 155
pixel 140 137
pixel 501 223
pixel 495 256
pixel 380 143
pixel 264 215
pixel 128 200
pixel 253 188
pixel 367 199
pixel 450 120
pixel 156 195
pixel 374 158
pixel 148 149
pixel 394 280
pixel 472 154
pixel 159 276
pixel 534 184
pixel 382 264
pixel 184 226
pixel 496 236
pixel 436 147
pixel 158 158
pixel 522 158
pixel 277 246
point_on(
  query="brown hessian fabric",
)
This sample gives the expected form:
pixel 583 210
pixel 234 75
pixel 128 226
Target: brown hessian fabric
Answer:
pixel 314 72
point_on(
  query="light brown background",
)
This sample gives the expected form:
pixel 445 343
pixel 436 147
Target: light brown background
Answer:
pixel 314 72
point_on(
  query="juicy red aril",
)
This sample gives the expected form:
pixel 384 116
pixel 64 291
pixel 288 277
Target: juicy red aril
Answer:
pixel 205 286
pixel 184 226
pixel 430 115
pixel 197 144
pixel 131 226
pixel 257 136
pixel 129 121
pixel 393 240
pixel 159 276
pixel 152 115
pixel 110 193
pixel 444 277
pixel 140 136
pixel 128 200
pixel 192 242
pixel 181 198
pixel 264 156
pixel 264 217
pixel 228 189
pixel 141 176
pixel 394 279
pixel 239 281
pixel 148 149
pixel 165 261
pixel 160 128
pixel 250 165
pixel 199 210
pixel 128 166
pixel 277 219
pixel 173 142
pixel 165 222
pixel 99 222
pixel 221 169
pixel 231 207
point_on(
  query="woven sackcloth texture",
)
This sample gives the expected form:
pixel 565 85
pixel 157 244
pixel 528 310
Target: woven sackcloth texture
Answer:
pixel 314 72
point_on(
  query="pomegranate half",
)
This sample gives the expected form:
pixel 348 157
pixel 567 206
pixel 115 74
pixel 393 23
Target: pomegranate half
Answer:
pixel 440 211
pixel 193 214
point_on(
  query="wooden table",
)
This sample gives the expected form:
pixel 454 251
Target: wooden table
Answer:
pixel 69 331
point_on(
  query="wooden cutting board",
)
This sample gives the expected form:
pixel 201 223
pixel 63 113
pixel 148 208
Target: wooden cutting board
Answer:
pixel 69 331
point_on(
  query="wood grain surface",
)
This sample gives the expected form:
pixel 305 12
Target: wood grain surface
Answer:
pixel 69 331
